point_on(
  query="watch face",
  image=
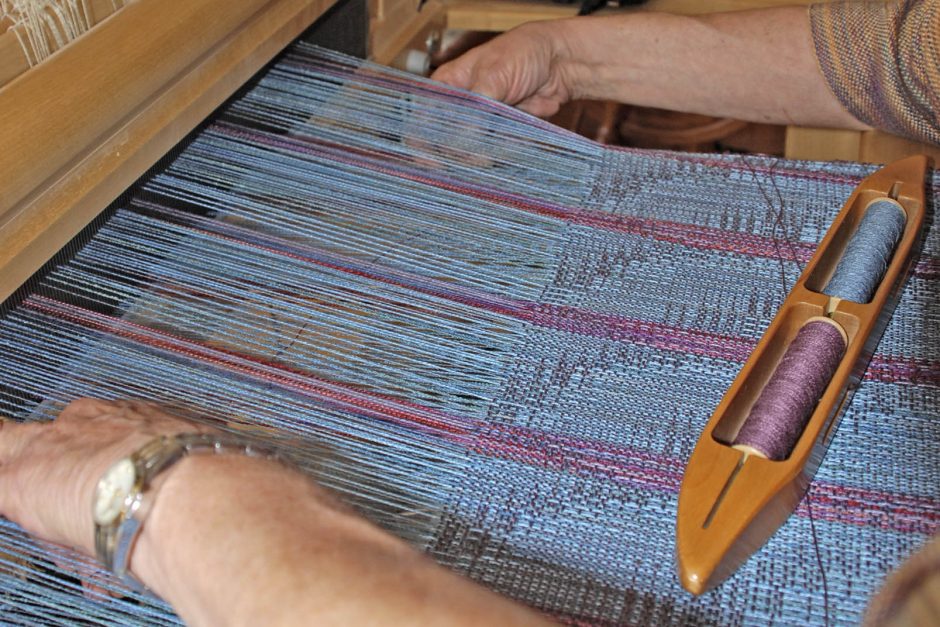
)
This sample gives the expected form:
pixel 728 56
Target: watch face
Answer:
pixel 113 488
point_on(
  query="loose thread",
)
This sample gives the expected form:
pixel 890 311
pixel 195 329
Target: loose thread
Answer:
pixel 819 560
pixel 43 26
pixel 777 211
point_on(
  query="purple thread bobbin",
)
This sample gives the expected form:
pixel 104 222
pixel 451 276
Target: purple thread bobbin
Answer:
pixel 779 415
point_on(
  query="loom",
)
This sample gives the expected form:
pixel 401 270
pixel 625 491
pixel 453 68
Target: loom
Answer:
pixel 496 339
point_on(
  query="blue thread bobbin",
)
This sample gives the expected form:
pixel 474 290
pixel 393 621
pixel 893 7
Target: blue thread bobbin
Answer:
pixel 778 417
pixel 866 258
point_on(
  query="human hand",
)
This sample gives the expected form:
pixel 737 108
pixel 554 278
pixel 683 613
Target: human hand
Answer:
pixel 48 471
pixel 529 67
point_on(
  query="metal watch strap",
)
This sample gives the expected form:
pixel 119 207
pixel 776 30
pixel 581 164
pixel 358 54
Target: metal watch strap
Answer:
pixel 114 543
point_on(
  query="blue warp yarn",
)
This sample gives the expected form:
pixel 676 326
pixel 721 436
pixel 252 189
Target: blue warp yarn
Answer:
pixel 869 251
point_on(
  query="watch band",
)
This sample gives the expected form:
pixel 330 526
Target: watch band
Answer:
pixel 114 541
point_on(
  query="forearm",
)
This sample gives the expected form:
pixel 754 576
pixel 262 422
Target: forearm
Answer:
pixel 753 65
pixel 232 541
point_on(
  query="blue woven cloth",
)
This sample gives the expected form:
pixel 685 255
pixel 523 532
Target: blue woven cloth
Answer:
pixel 498 340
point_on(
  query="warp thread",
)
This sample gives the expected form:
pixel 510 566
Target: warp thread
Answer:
pixel 44 26
pixel 777 418
pixel 868 253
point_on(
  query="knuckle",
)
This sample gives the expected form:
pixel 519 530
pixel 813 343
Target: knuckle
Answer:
pixel 83 407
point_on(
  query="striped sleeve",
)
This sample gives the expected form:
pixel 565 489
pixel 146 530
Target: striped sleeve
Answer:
pixel 882 61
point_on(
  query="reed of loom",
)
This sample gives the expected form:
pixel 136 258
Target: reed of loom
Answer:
pixel 731 501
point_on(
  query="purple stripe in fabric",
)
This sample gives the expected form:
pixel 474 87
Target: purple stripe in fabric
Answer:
pixel 565 318
pixel 683 234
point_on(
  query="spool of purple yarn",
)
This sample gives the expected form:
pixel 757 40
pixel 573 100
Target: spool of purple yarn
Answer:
pixel 779 415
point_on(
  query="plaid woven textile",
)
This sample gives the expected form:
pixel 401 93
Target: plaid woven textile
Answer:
pixel 496 339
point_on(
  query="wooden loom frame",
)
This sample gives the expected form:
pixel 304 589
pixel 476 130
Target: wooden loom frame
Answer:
pixel 80 128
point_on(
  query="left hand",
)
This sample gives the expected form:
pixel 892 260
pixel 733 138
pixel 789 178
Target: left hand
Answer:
pixel 528 67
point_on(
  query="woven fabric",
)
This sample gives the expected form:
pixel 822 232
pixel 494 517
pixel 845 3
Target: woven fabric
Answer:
pixel 882 61
pixel 498 340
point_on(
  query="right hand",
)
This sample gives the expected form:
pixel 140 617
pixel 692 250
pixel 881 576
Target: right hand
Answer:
pixel 526 67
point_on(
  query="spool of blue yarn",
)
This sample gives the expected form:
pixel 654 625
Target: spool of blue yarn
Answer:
pixel 868 253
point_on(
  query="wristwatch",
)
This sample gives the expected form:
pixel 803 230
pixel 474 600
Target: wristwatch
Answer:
pixel 122 496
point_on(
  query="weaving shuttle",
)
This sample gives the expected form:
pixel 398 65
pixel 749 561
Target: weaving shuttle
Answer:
pixel 734 498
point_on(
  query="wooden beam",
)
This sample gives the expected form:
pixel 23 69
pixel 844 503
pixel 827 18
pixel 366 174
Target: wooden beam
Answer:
pixel 393 35
pixel 822 144
pixel 878 147
pixel 79 129
pixel 502 15
pixel 826 144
